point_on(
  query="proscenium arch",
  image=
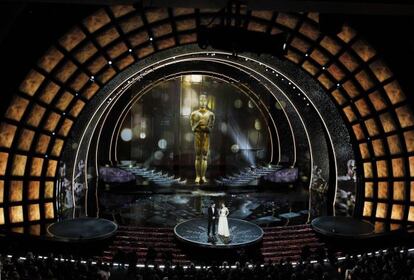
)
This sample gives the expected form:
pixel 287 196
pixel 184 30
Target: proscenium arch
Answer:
pixel 40 116
pixel 138 72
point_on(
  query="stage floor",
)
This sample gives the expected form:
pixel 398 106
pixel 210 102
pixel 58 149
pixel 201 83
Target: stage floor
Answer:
pixel 273 208
pixel 242 234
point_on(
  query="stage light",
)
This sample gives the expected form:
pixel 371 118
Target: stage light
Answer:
pixel 238 103
pixel 162 144
pixel 130 50
pixel 223 127
pixel 110 62
pixel 189 137
pixel 196 78
pixel 281 104
pixel 234 148
pixel 142 135
pixel 126 134
pixel 158 155
pixel 186 111
pixel 257 124
pixel 250 104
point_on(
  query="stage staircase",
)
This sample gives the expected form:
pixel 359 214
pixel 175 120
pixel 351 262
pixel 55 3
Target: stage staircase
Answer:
pixel 247 176
pixel 278 243
pixel 158 178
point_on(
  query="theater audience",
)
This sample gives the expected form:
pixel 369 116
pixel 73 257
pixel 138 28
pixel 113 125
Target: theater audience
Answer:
pixel 394 264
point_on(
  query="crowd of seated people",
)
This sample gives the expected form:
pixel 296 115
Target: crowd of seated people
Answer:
pixel 393 264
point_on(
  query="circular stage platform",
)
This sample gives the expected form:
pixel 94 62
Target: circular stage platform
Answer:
pixel 242 233
pixel 343 227
pixel 82 229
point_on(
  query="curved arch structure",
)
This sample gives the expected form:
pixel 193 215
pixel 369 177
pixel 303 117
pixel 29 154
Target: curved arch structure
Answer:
pixel 38 122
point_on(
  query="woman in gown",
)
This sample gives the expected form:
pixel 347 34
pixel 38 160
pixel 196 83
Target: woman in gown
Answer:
pixel 223 226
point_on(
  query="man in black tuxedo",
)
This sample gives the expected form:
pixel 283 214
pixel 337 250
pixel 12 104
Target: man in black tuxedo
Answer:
pixel 212 219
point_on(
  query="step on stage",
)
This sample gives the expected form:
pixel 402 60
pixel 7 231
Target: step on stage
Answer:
pixel 242 234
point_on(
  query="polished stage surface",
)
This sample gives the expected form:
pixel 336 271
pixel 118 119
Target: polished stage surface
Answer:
pixel 82 229
pixel 273 208
pixel 343 227
pixel 242 234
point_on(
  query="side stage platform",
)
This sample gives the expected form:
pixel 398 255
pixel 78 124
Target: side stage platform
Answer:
pixel 343 227
pixel 82 230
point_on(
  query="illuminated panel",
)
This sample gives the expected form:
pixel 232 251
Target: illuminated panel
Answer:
pixel 369 190
pixel 16 214
pixel 51 168
pixel 42 144
pixel 50 59
pixel 65 128
pixel 405 116
pixel 411 214
pixel 367 170
pixel 31 83
pixel 33 212
pixel 16 191
pixel 364 50
pixel 33 190
pixel 399 191
pixel 331 45
pixel 383 190
pixel 65 72
pixel 90 91
pixel 3 162
pixel 381 210
pixel 409 140
pixel 77 108
pixel 1 191
pixel 19 165
pixel 397 212
pixel 52 122
pixel 35 115
pixel 378 147
pixel 17 108
pixel 107 37
pixel 363 148
pixel 107 75
pixel 117 50
pixel 1 216
pixel 49 189
pixel 57 148
pixel 394 92
pixel 96 65
pixel 367 212
pixel 49 210
pixel 380 70
pixel 86 52
pixel 394 144
pixel 36 168
pixel 7 132
pixel 130 23
pixel 72 38
pixel 398 167
pixel 79 81
pixel 25 140
pixel 96 20
pixel 64 101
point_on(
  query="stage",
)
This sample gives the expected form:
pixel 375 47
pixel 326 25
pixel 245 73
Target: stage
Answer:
pixel 242 234
pixel 82 230
pixel 343 227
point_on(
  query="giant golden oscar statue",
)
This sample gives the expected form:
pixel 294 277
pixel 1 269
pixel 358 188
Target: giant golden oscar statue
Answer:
pixel 202 121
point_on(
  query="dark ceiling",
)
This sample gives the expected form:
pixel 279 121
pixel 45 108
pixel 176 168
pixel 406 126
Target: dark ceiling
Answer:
pixel 28 28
